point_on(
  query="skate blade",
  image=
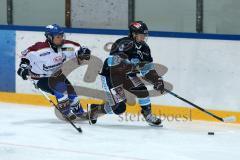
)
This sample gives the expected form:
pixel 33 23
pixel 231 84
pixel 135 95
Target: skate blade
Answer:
pixel 154 125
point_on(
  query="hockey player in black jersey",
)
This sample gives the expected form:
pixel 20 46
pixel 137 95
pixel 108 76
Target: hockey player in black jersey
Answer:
pixel 129 57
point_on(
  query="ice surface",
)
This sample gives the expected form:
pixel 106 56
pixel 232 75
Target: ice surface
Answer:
pixel 33 133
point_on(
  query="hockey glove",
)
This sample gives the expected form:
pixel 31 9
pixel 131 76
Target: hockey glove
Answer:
pixel 23 70
pixel 84 53
pixel 159 85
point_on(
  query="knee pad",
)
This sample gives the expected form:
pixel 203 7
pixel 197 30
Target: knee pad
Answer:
pixel 140 92
pixel 119 108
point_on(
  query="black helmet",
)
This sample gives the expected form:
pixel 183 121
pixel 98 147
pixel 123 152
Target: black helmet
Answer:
pixel 138 27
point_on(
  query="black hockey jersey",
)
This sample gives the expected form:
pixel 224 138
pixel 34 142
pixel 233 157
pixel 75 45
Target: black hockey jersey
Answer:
pixel 131 52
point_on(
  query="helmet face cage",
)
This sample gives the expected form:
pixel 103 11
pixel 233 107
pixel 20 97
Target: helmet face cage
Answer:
pixel 138 28
pixel 52 31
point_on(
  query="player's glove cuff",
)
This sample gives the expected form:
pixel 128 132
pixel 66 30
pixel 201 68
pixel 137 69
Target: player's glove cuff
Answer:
pixel 84 53
pixel 159 85
pixel 24 67
pixel 23 72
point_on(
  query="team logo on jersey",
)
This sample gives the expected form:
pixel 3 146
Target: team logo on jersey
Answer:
pixel 44 54
pixel 58 59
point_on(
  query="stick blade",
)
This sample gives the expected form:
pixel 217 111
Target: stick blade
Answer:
pixel 230 119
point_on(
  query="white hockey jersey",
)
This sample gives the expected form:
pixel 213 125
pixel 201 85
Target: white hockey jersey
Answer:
pixel 45 61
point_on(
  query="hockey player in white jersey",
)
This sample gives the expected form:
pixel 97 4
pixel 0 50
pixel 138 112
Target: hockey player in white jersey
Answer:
pixel 43 62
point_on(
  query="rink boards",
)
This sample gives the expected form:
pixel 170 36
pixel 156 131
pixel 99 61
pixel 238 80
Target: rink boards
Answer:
pixel 202 68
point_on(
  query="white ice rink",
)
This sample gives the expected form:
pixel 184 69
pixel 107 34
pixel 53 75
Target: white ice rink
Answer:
pixel 33 133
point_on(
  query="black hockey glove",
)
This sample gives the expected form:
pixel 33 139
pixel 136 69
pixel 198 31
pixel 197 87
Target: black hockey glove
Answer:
pixel 84 53
pixel 23 70
pixel 159 85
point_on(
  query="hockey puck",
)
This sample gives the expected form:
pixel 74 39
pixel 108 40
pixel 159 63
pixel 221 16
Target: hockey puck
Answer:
pixel 210 133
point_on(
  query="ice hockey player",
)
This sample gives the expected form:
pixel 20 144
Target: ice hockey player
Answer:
pixel 43 61
pixel 128 57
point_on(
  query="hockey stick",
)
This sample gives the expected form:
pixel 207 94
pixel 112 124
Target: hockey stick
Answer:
pixel 227 119
pixel 46 96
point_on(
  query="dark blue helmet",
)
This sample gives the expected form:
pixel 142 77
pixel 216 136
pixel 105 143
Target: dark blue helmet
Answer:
pixel 53 30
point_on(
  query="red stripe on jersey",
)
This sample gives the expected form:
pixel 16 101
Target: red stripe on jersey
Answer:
pixel 39 45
